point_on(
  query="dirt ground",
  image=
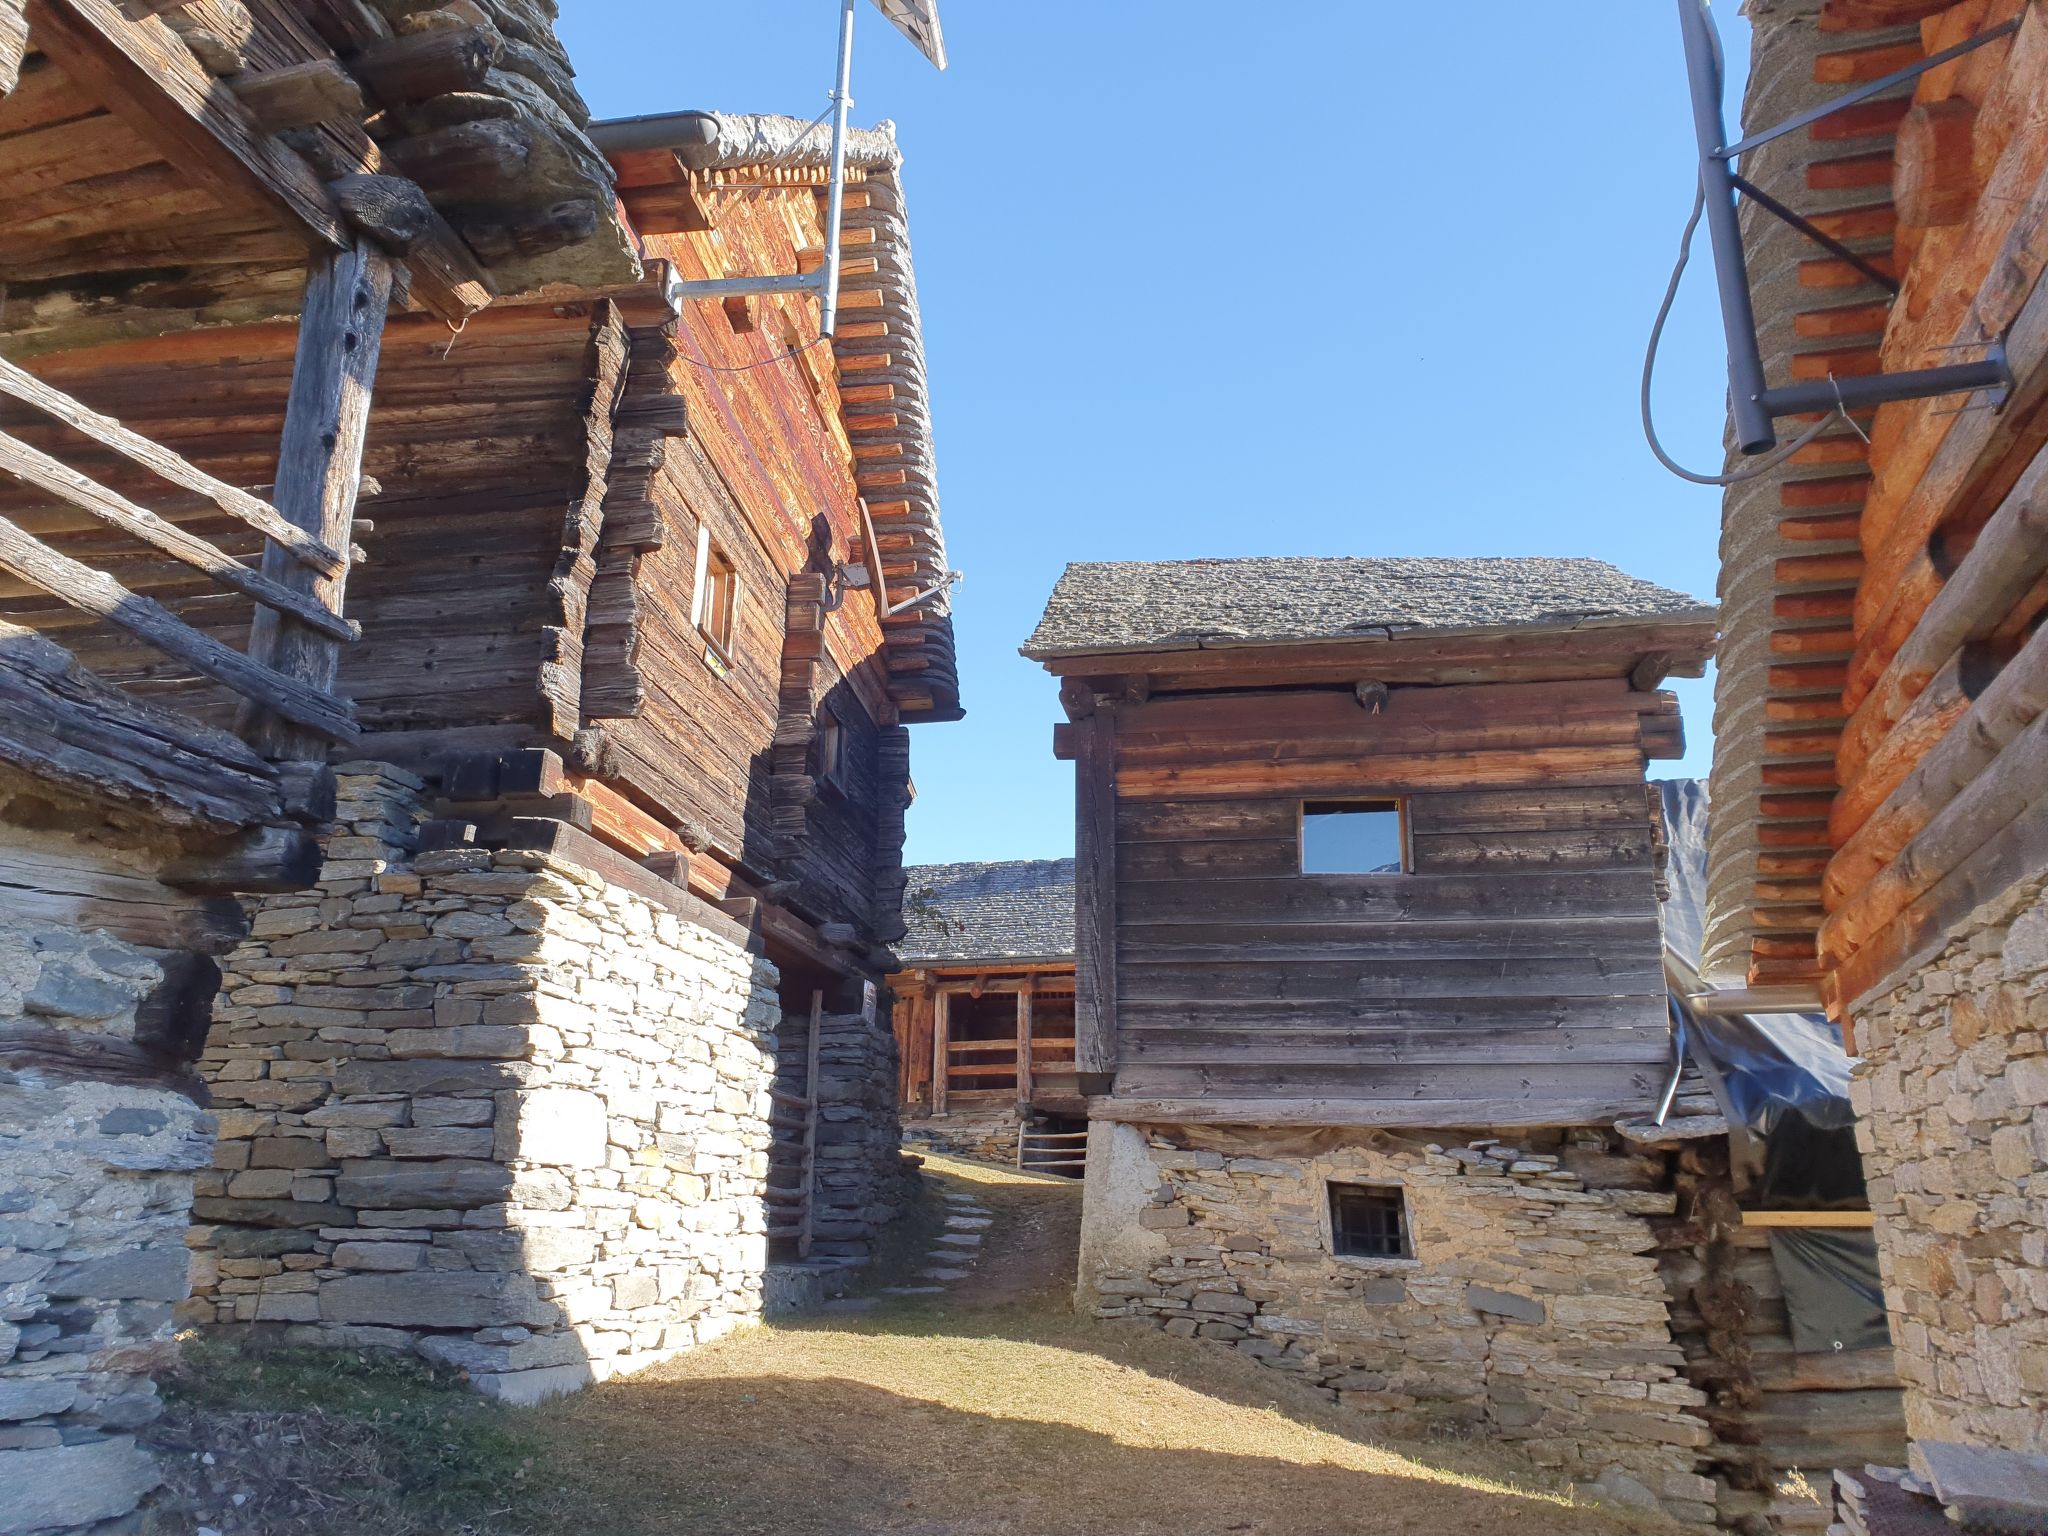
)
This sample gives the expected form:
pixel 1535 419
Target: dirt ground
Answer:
pixel 987 1410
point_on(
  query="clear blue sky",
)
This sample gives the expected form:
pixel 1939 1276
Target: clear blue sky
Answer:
pixel 1311 277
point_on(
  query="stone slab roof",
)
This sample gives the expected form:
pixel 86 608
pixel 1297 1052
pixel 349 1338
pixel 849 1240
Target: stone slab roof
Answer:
pixel 1020 910
pixel 1181 604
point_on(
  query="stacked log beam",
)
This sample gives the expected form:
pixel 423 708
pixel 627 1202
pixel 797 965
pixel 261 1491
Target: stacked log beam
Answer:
pixel 1940 757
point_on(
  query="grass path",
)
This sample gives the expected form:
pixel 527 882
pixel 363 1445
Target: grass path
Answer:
pixel 989 1410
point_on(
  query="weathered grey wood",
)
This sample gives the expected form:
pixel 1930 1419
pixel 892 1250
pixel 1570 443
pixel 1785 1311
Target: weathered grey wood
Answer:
pixel 40 1053
pixel 67 887
pixel 390 209
pixel 133 446
pixel 96 593
pixel 262 860
pixel 809 1191
pixel 13 43
pixel 1095 894
pixel 1434 1114
pixel 1024 1000
pixel 319 469
pixel 299 95
pixel 66 727
pixel 942 1056
pixel 33 467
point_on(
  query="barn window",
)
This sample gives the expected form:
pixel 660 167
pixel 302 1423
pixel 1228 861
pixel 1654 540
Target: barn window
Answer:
pixel 717 596
pixel 831 748
pixel 1369 1221
pixel 1353 837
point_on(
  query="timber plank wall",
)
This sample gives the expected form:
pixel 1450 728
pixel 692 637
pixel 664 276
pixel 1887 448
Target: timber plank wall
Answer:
pixel 484 627
pixel 1517 963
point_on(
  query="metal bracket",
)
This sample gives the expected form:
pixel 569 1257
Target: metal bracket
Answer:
pixel 1871 88
pixel 1754 406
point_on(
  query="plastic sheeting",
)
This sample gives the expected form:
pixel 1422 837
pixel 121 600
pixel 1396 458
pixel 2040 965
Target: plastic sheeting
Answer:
pixel 1782 1080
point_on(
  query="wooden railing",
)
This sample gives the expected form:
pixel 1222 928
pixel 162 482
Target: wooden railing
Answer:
pixel 95 592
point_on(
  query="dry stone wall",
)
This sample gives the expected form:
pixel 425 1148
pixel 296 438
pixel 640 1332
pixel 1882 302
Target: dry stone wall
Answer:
pixel 96 1185
pixel 1531 1313
pixel 985 1131
pixel 488 1106
pixel 1951 1101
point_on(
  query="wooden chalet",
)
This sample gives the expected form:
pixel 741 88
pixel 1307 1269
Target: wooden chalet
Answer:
pixel 985 1011
pixel 1880 785
pixel 313 300
pixel 1496 714
pixel 1368 969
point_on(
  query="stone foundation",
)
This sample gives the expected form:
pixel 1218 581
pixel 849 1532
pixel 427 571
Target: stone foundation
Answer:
pixel 1952 1116
pixel 1532 1312
pixel 983 1132
pixel 97 1159
pixel 489 1106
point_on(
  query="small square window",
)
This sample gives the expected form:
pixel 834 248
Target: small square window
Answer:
pixel 717 597
pixel 1353 837
pixel 1369 1221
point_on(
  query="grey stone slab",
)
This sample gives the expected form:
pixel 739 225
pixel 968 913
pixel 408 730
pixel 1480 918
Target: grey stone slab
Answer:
pixel 961 1239
pixel 161 1272
pixel 456 1183
pixel 66 1485
pixel 1992 1489
pixel 34 1398
pixel 435 1299
pixel 524 1388
pixel 943 1274
pixel 970 1223
pixel 1522 1309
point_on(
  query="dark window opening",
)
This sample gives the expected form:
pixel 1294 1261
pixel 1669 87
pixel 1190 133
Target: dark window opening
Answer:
pixel 1353 837
pixel 1369 1222
pixel 831 749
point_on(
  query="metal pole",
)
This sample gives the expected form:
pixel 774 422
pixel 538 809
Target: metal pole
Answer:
pixel 835 215
pixel 1753 430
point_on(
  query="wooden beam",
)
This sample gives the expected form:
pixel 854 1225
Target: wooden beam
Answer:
pixel 33 467
pixel 1433 1114
pixel 299 95
pixel 13 43
pixel 942 1060
pixel 61 724
pixel 320 467
pixel 162 462
pixel 98 594
pixel 1024 1045
pixel 146 77
pixel 1095 894
pixel 809 1192
pixel 1850 1219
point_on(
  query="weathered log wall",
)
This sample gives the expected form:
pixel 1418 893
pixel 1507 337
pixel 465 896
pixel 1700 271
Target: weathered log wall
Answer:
pixel 1511 974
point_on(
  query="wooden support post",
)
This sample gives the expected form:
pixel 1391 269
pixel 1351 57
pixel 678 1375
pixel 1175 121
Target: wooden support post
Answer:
pixel 810 1178
pixel 1024 1047
pixel 941 1048
pixel 1095 894
pixel 319 470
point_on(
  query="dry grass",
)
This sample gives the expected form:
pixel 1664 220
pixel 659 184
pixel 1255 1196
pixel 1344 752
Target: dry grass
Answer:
pixel 991 1409
pixel 948 1416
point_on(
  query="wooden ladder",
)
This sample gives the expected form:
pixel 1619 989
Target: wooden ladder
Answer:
pixel 1040 1151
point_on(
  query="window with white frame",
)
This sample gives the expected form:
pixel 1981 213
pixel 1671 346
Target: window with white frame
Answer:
pixel 716 599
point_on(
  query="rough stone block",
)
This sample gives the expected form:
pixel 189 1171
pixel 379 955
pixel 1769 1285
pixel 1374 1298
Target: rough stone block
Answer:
pixel 561 1127
pixel 157 1272
pixel 1504 1304
pixel 456 1184
pixel 72 1485
pixel 436 1299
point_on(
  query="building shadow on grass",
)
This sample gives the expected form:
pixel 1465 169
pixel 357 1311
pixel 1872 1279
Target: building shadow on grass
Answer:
pixel 825 1456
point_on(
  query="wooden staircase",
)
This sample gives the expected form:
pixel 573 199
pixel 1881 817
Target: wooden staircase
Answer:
pixel 1064 1153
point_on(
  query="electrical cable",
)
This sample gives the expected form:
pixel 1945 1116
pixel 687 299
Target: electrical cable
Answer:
pixel 1735 477
pixel 766 362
